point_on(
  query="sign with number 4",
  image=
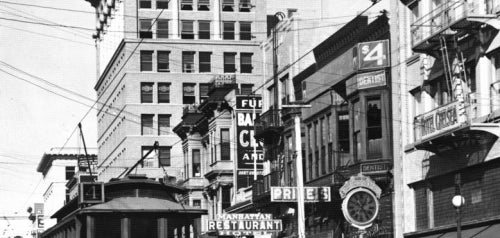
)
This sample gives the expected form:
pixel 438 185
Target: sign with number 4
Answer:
pixel 373 54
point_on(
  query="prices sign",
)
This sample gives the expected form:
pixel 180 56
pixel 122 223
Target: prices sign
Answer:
pixel 373 54
pixel 311 194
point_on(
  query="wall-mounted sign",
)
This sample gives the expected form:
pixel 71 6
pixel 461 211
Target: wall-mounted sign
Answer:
pixel 375 168
pixel 249 102
pixel 222 80
pixel 311 194
pixel 360 204
pixel 91 192
pixel 366 80
pixel 373 54
pixel 436 121
pixel 246 224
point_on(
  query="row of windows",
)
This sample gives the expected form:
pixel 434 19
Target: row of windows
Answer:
pixel 161 27
pixel 147 124
pixel 201 5
pixel 188 61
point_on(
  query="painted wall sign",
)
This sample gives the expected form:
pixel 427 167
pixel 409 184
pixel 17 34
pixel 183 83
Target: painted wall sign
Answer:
pixel 437 121
pixel 373 54
pixel 311 194
pixel 366 80
pixel 236 223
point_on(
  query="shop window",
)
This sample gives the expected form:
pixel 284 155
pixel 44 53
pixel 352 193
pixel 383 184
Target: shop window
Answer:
pixel 144 3
pixel 226 197
pixel 204 30
pixel 162 29
pixel 203 5
pixel 147 124
pixel 146 60
pixel 187 30
pixel 205 62
pixel 188 95
pixel 187 5
pixel 70 172
pixel 163 92
pixel 228 28
pixel 204 92
pixel 164 156
pixel 162 4
pixel 227 5
pixel 188 61
pixel 374 128
pixel 356 112
pixel 246 63
pixel 150 160
pixel 163 61
pixel 225 145
pixel 245 30
pixel 229 62
pixel 147 92
pixel 145 31
pixel 164 124
pixel 196 163
pixel 245 5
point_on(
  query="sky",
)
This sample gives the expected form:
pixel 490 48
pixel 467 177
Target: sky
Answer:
pixel 34 120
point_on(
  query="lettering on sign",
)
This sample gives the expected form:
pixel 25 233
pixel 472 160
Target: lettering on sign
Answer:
pixel 241 223
pixel 373 54
pixel 223 79
pixel 249 103
pixel 311 194
pixel 436 121
pixel 365 81
pixel 375 168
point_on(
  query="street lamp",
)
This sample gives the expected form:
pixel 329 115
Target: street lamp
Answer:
pixel 458 201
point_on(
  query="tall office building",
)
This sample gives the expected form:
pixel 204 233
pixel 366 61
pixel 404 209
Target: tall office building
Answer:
pixel 154 58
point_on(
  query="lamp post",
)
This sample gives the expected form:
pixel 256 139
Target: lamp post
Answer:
pixel 458 201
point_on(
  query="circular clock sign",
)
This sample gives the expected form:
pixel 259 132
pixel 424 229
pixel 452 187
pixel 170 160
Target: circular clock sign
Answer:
pixel 360 207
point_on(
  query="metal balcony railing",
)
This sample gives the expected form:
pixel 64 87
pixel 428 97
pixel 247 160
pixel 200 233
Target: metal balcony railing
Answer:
pixel 445 118
pixel 262 187
pixel 445 15
pixel 269 119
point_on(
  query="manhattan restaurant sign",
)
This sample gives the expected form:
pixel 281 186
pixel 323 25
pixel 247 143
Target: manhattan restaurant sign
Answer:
pixel 245 108
pixel 239 224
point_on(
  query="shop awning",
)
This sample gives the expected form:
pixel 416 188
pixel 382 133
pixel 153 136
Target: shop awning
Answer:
pixel 486 231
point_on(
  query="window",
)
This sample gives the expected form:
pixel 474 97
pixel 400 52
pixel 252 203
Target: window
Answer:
pixel 356 111
pixel 144 3
pixel 187 31
pixel 147 124
pixel 229 62
pixel 187 5
pixel 163 124
pixel 225 147
pixel 196 163
pixel 163 61
pixel 187 61
pixel 246 89
pixel 246 63
pixel 316 149
pixel 164 156
pixel 343 137
pixel 146 60
pixel 245 31
pixel 188 93
pixel 145 28
pixel 162 4
pixel 322 140
pixel 203 5
pixel 162 29
pixel 197 203
pixel 374 128
pixel 163 92
pixel 147 92
pixel 204 91
pixel 245 5
pixel 226 197
pixel 205 62
pixel 150 160
pixel 227 5
pixel 204 30
pixel 70 172
pixel 228 33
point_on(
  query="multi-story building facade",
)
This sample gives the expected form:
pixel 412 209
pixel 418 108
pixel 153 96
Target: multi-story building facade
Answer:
pixel 157 56
pixel 446 94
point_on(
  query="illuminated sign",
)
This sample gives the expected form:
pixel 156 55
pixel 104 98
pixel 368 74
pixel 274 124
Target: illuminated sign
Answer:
pixel 311 194
pixel 436 121
pixel 366 80
pixel 245 224
pixel 373 54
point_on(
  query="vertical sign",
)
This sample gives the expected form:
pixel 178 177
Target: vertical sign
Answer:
pixel 245 106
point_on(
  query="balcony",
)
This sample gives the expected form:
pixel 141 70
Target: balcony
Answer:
pixel 446 127
pixel 447 19
pixel 262 187
pixel 268 126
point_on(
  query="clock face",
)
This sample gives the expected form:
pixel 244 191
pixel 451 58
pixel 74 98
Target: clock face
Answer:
pixel 362 207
